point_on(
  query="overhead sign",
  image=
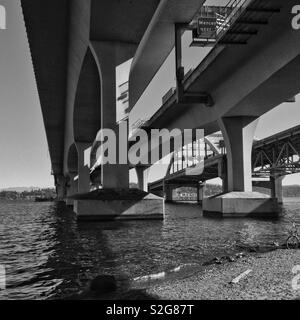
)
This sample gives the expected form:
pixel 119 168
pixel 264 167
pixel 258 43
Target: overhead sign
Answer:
pixel 210 21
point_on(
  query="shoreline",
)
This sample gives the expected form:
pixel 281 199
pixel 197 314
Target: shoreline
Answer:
pixel 270 279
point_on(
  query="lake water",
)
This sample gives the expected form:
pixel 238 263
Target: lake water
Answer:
pixel 47 254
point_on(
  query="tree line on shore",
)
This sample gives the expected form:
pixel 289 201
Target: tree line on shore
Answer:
pixel 210 190
pixel 292 191
pixel 27 195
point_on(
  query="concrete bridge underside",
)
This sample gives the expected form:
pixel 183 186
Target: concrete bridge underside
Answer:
pixel 244 81
pixel 76 46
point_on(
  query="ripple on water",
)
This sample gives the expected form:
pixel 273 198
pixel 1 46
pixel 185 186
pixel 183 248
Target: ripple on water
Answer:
pixel 48 255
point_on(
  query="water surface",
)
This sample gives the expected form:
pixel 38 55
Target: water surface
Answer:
pixel 47 254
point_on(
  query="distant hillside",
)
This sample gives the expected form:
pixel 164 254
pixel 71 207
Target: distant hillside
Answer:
pixel 213 189
pixel 291 191
pixel 31 194
pixel 133 185
pixel 21 189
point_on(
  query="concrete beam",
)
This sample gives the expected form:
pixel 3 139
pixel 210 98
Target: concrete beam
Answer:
pixel 77 45
pixel 157 43
pixel 48 42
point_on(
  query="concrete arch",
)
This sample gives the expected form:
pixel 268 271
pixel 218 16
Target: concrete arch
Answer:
pixel 72 161
pixel 87 106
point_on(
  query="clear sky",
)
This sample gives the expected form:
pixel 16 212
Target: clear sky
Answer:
pixel 24 157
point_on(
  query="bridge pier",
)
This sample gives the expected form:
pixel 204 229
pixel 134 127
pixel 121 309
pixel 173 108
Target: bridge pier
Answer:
pixel 142 173
pixel 83 167
pixel 109 55
pixel 274 185
pixel 72 189
pixel 168 192
pixel 240 200
pixel 238 133
pixel 276 188
pixel 60 182
pixel 201 192
pixel 222 173
pixel 115 200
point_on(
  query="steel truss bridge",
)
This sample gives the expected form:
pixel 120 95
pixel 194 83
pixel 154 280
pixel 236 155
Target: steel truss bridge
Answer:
pixel 276 156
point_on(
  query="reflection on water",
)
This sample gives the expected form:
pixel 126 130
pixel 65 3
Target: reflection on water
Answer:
pixel 47 254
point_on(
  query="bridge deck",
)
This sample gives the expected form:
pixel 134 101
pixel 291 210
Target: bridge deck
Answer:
pixel 226 61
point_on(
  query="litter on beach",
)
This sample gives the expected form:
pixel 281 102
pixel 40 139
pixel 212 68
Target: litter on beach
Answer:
pixel 241 276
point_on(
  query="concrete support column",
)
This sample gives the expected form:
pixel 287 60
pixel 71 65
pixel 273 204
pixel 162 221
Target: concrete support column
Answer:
pixel 72 188
pixel 109 55
pixel 224 183
pixel 201 192
pixel 238 133
pixel 61 187
pixel 142 176
pixel 168 192
pixel 96 178
pixel 83 167
pixel 222 173
pixel 239 200
pixel 276 188
pixel 115 201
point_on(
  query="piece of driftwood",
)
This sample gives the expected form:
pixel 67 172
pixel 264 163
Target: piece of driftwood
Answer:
pixel 241 276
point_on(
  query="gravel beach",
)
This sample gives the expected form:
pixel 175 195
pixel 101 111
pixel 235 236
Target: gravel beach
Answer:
pixel 270 279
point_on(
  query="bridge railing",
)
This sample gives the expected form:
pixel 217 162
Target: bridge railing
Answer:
pixel 213 21
pixel 236 7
